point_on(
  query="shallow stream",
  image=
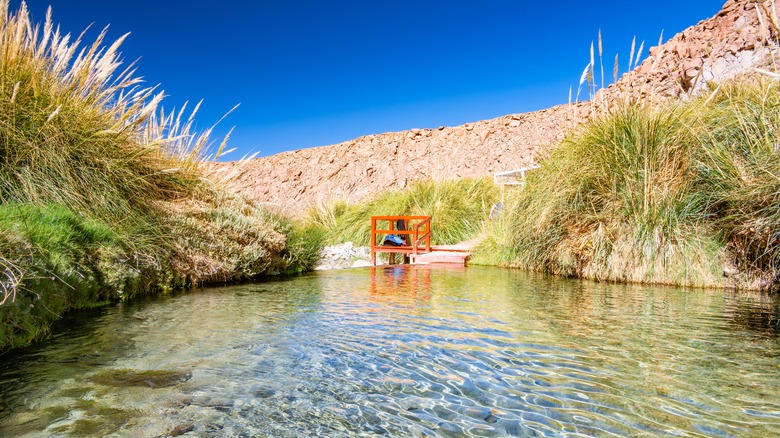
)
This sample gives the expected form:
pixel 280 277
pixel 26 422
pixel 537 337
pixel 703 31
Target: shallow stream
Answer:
pixel 409 351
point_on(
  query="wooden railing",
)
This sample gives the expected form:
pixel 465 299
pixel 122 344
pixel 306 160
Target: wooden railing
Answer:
pixel 416 233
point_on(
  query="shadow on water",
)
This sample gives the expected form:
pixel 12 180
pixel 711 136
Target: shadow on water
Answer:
pixel 406 350
pixel 756 311
pixel 78 342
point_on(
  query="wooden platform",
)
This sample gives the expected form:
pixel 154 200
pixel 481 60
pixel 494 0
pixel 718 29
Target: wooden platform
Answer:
pixel 438 255
pixel 416 231
pixel 459 258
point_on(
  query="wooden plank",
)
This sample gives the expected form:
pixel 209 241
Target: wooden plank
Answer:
pixel 441 257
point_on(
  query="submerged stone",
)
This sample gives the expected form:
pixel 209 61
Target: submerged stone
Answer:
pixel 182 429
pixel 143 378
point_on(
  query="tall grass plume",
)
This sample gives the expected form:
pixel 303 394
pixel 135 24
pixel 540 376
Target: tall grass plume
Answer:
pixel 103 193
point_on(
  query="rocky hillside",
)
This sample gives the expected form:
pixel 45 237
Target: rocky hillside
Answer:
pixel 365 165
pixel 742 36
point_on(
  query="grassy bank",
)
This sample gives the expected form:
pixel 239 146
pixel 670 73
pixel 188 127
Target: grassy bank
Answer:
pixel 103 195
pixel 683 193
pixel 677 193
pixel 459 208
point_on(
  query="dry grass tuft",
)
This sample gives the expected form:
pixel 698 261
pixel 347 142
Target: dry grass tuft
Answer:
pixel 104 194
pixel 675 193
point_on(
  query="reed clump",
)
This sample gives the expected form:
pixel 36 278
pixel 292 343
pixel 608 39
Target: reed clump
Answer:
pixel 458 207
pixel 103 194
pixel 738 176
pixel 658 193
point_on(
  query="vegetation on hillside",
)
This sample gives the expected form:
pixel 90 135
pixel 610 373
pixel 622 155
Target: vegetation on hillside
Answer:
pixel 667 193
pixel 103 195
pixel 459 209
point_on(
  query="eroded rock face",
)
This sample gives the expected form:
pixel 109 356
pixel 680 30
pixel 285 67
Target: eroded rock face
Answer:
pixel 356 168
pixel 742 36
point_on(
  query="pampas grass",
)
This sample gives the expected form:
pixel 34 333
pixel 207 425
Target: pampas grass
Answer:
pixel 739 173
pixel 611 203
pixel 103 193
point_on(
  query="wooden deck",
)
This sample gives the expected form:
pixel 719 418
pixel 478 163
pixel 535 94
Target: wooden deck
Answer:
pixel 417 232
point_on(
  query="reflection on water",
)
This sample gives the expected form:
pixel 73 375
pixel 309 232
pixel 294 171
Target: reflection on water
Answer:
pixel 407 351
pixel 400 282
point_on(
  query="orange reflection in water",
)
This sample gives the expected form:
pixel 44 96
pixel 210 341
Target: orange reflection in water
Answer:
pixel 391 282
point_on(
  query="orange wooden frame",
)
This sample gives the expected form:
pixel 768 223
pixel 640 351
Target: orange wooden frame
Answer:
pixel 418 232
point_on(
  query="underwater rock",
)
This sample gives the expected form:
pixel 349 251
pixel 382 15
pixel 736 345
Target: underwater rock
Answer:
pixel 182 429
pixel 144 378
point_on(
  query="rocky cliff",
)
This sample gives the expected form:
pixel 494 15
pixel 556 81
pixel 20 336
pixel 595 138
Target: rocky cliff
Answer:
pixel 741 37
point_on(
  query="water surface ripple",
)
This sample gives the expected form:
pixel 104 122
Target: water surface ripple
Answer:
pixel 406 351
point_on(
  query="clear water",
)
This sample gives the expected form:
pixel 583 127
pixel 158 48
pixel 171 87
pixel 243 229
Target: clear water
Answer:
pixel 406 352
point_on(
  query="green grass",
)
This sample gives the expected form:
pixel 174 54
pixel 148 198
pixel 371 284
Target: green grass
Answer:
pixel 738 172
pixel 458 209
pixel 62 260
pixel 665 193
pixel 613 203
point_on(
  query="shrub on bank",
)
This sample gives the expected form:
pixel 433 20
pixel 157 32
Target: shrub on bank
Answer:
pixel 222 237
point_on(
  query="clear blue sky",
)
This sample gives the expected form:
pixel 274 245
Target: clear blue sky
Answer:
pixel 311 73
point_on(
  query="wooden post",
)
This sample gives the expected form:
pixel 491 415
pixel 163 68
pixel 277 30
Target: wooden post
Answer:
pixel 373 241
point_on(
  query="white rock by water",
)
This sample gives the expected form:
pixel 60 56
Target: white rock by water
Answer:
pixel 343 256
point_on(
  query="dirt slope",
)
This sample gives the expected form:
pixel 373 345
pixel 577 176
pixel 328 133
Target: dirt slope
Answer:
pixel 740 37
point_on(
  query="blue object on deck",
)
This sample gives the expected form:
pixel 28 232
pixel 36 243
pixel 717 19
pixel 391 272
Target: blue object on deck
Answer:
pixel 392 239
